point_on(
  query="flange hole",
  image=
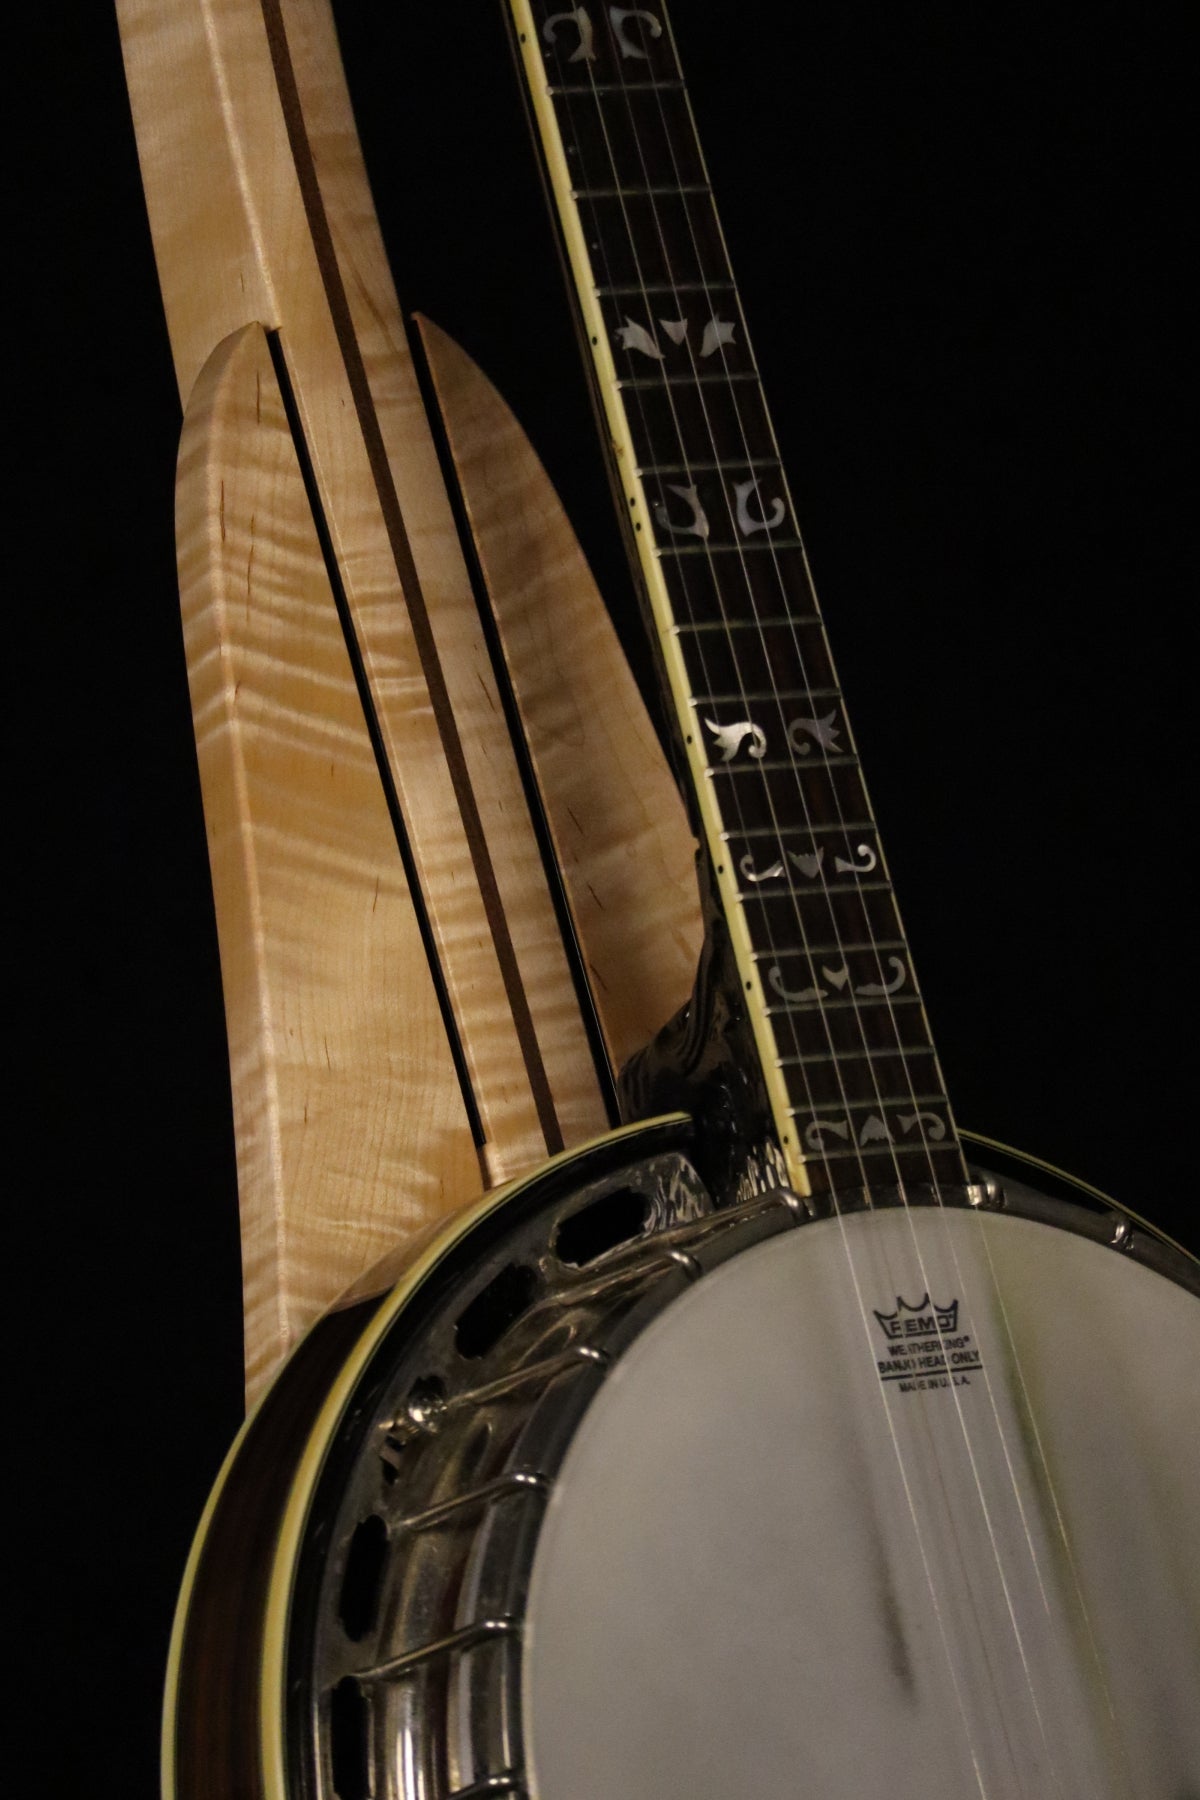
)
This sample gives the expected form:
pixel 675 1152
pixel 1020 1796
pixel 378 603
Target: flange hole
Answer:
pixel 613 1219
pixel 360 1584
pixel 348 1740
pixel 495 1307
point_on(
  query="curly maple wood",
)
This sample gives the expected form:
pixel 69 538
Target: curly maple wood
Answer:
pixel 260 211
pixel 618 824
pixel 260 214
pixel 349 1118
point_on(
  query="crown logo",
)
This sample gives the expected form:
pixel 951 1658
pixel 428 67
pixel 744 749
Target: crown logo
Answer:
pixel 923 1319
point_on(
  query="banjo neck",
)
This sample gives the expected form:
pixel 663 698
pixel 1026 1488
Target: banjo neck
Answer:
pixel 826 976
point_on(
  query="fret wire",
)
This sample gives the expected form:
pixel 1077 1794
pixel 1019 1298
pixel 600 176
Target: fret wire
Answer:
pixel 773 694
pixel 818 893
pixel 938 1099
pixel 711 547
pixel 638 193
pixel 728 625
pixel 799 830
pixel 695 378
pixel 632 290
pixel 858 1003
pixel 612 87
pixel 865 1055
pixel 917 1146
pixel 774 767
pixel 658 236
pixel 812 950
pixel 746 550
pixel 708 468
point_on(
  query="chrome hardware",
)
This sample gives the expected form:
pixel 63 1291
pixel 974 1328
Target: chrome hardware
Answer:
pixel 455 1457
pixel 1122 1232
pixel 985 1193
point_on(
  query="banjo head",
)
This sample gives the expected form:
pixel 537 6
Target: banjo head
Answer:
pixel 902 1501
pixel 903 1504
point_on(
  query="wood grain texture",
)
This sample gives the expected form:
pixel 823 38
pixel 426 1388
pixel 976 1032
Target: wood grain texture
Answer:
pixel 349 1119
pixel 260 212
pixel 261 215
pixel 618 823
pixel 411 480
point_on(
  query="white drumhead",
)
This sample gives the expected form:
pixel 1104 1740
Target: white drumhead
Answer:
pixel 885 1509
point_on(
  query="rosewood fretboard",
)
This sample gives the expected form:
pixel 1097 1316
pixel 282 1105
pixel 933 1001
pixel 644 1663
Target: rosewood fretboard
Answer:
pixel 851 1072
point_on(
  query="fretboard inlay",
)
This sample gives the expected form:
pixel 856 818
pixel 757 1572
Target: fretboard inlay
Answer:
pixel 849 1065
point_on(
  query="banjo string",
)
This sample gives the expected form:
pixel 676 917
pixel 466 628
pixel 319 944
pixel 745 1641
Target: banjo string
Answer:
pixel 939 1198
pixel 935 1461
pixel 633 395
pixel 919 1533
pixel 935 1183
pixel 948 1236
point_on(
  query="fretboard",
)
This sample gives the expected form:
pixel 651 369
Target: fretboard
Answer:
pixel 849 1065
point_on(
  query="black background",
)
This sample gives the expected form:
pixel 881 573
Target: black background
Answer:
pixel 954 238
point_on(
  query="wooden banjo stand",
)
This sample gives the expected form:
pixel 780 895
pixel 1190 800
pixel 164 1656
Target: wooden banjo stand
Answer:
pixel 366 810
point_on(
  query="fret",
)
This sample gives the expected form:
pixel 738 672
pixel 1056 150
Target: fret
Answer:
pixel 904 1098
pixel 651 290
pixel 918 1159
pixel 751 594
pixel 846 1077
pixel 782 891
pixel 639 191
pixel 716 378
pixel 886 1030
pixel 733 546
pixel 721 422
pixel 790 975
pixel 792 1008
pixel 743 775
pixel 848 914
pixel 851 1010
pixel 828 1059
pixel 837 948
pixel 865 1106
pixel 725 547
pixel 639 137
pixel 671 238
pixel 763 551
pixel 743 698
pixel 936 1165
pixel 789 794
pixel 594 88
pixel 838 1011
pixel 770 830
pixel 705 468
pixel 780 765
pixel 806 830
pixel 751 627
pixel 744 653
pixel 833 888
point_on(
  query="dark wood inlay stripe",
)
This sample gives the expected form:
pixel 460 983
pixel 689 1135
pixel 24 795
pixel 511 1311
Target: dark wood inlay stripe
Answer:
pixel 406 571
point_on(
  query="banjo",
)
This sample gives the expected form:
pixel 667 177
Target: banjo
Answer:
pixel 768 1445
